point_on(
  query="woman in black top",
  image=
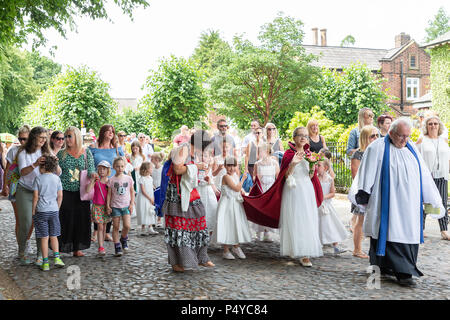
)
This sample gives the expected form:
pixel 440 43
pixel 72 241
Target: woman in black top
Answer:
pixel 316 141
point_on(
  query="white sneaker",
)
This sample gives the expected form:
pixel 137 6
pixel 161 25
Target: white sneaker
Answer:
pixel 238 251
pixel 339 250
pixel 227 255
pixel 151 231
pixel 267 237
pixel 304 263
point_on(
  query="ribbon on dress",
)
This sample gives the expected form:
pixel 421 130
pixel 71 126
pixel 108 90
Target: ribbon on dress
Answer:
pixel 385 190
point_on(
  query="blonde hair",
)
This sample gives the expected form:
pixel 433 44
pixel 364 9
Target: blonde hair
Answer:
pixel 361 114
pixel 77 136
pixel 425 125
pixel 364 135
pixel 158 155
pixel 145 166
pixel 265 146
pixel 117 159
pixel 271 124
pixel 24 129
pixel 310 124
pixel 107 168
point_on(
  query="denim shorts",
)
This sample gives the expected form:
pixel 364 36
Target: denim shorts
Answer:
pixel 116 212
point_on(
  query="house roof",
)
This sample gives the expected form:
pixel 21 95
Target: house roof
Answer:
pixel 441 40
pixel 423 102
pixel 342 57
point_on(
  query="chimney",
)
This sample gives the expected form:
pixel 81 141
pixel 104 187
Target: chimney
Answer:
pixel 401 39
pixel 315 36
pixel 323 37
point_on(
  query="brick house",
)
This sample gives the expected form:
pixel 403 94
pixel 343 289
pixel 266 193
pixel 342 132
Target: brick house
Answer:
pixel 406 67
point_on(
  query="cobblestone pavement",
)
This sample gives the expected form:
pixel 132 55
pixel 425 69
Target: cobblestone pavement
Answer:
pixel 145 274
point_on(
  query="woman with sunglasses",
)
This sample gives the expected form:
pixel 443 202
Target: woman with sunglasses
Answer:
pixel 367 135
pixel 74 214
pixel 435 151
pixel 272 138
pixel 29 157
pixel 56 142
pixel 126 147
pixel 251 153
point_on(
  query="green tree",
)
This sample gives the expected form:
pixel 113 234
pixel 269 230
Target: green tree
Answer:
pixel 438 26
pixel 44 68
pixel 175 97
pixel 21 19
pixel 209 54
pixel 78 94
pixel 17 86
pixel 130 120
pixel 268 81
pixel 343 94
pixel 348 41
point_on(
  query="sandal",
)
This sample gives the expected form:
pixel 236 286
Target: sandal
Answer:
pixel 78 253
pixel 177 268
pixel 361 255
pixel 445 236
pixel 207 264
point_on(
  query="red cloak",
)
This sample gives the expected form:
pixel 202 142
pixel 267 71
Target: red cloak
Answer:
pixel 264 208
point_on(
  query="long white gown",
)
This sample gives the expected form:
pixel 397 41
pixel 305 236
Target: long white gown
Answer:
pixel 137 162
pixel 232 223
pixel 145 211
pixel 331 229
pixel 209 200
pixel 299 218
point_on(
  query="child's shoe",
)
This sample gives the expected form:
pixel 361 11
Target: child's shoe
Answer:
pixel 151 231
pixel 59 263
pixel 118 250
pixel 24 260
pixel 45 266
pixel 339 250
pixel 267 237
pixel 101 251
pixel 227 255
pixel 124 243
pixel 39 261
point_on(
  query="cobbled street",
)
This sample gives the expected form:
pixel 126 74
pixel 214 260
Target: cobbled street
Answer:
pixel 145 274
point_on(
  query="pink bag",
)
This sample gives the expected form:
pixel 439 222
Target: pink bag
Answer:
pixel 84 182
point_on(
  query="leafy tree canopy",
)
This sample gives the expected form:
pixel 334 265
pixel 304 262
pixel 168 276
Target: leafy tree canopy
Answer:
pixel 20 19
pixel 175 97
pixel 438 26
pixel 348 41
pixel 78 94
pixel 267 81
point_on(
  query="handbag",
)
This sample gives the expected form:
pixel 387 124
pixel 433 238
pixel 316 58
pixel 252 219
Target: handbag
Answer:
pixel 13 176
pixel 84 181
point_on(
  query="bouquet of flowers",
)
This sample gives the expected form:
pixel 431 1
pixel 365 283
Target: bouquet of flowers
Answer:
pixel 313 158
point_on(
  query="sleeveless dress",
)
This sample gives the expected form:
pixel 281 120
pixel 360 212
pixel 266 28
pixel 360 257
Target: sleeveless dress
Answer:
pixel 315 146
pixel 299 219
pixel 331 228
pixel 185 234
pixel 209 201
pixel 232 223
pixel 145 211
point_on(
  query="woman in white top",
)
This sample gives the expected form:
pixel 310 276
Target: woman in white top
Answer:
pixel 435 151
pixel 136 159
pixel 29 157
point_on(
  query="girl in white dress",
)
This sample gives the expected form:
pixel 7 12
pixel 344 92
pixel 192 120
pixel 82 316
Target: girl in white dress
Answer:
pixel 157 161
pixel 232 224
pixel 331 229
pixel 299 218
pixel 145 209
pixel 207 191
pixel 218 170
pixel 267 170
pixel 136 159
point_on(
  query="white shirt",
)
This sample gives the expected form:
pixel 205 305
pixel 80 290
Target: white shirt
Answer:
pixel 156 175
pixel 435 153
pixel 25 160
pixel 247 139
pixel 147 150
pixel 11 155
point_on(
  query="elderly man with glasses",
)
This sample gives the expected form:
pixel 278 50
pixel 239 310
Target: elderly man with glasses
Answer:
pixel 394 183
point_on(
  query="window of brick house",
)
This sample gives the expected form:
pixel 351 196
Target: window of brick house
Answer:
pixel 412 88
pixel 413 63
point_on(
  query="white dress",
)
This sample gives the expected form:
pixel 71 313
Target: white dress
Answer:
pixel 266 175
pixel 331 229
pixel 137 162
pixel 209 200
pixel 299 218
pixel 145 211
pixel 218 178
pixel 232 223
pixel 156 175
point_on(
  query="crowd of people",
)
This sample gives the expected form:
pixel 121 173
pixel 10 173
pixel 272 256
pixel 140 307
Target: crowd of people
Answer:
pixel 223 190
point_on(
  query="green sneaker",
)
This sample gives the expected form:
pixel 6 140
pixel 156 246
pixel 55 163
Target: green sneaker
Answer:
pixel 59 263
pixel 45 267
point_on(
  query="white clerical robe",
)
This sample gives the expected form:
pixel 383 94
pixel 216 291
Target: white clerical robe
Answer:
pixel 404 199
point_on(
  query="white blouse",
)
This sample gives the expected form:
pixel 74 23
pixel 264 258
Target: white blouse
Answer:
pixel 435 153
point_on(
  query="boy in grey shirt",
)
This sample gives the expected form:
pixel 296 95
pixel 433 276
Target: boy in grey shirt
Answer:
pixel 47 198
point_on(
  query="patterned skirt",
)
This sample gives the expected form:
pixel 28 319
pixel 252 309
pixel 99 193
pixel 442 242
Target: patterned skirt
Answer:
pixel 98 214
pixel 186 235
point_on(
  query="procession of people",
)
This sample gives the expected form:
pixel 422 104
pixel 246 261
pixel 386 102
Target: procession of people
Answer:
pixel 199 192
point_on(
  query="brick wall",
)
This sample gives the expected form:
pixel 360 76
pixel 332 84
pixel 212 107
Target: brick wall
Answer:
pixel 390 70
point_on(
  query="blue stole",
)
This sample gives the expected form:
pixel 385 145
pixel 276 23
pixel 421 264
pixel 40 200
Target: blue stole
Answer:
pixel 385 183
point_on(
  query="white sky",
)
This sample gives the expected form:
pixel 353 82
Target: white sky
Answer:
pixel 123 52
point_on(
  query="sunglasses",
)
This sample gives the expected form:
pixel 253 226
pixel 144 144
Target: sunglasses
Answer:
pixel 301 136
pixel 433 123
pixel 122 136
pixel 22 139
pixel 373 136
pixel 270 129
pixel 223 126
pixel 68 136
pixel 59 138
pixel 258 133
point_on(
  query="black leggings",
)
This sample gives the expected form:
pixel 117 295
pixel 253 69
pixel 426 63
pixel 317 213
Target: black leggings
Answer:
pixel 108 227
